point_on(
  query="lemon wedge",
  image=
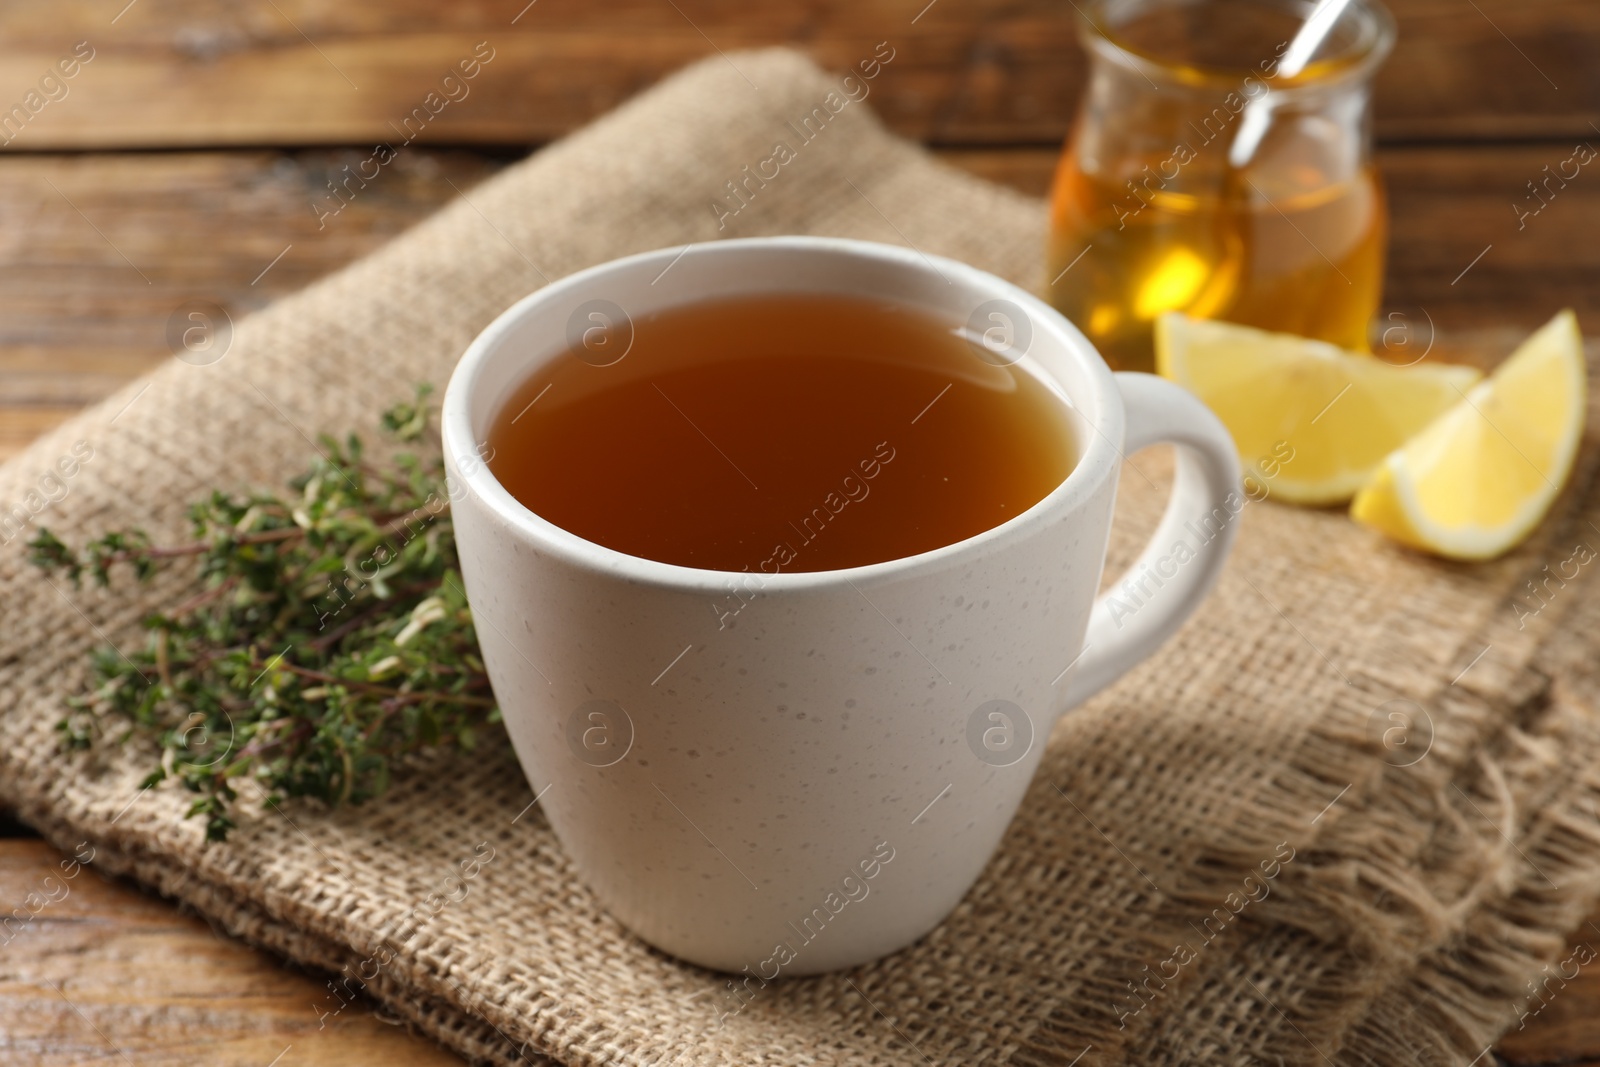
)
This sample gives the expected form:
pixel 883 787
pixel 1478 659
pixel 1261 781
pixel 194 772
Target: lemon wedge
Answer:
pixel 1311 421
pixel 1481 477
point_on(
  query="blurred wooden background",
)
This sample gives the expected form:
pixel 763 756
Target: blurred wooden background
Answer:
pixel 183 160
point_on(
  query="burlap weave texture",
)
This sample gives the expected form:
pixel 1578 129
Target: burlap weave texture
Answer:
pixel 1221 859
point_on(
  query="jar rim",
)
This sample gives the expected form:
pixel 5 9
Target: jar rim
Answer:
pixel 1374 38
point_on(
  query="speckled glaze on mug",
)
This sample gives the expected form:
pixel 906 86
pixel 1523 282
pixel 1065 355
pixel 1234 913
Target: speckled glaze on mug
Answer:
pixel 782 774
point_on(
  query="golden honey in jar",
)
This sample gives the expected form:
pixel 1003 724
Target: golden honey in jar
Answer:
pixel 1202 178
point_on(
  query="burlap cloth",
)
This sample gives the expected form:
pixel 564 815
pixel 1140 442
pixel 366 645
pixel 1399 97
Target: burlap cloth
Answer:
pixel 1221 860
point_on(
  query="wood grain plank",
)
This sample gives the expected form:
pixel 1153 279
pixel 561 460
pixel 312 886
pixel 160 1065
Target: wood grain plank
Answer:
pixel 78 320
pixel 1450 206
pixel 19 425
pixel 97 253
pixel 92 970
pixel 1561 1026
pixel 98 968
pixel 193 73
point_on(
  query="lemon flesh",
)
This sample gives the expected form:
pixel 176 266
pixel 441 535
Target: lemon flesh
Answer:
pixel 1311 421
pixel 1482 476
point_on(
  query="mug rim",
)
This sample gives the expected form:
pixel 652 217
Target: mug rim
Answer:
pixel 1096 461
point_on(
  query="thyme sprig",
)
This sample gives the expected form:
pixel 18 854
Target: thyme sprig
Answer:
pixel 326 637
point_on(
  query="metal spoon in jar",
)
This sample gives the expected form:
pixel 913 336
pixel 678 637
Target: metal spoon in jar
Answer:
pixel 1258 112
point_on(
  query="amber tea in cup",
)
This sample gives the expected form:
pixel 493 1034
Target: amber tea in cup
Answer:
pixel 785 432
pixel 802 720
pixel 1164 201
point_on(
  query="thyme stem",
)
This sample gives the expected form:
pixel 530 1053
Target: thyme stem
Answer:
pixel 246 680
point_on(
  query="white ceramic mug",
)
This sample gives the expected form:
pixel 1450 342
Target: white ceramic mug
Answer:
pixel 798 772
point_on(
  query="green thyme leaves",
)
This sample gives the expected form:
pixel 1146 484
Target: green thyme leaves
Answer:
pixel 325 637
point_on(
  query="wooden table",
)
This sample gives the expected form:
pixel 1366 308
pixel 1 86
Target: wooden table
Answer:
pixel 183 162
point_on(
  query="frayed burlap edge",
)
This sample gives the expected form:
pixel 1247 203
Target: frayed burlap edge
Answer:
pixel 1455 919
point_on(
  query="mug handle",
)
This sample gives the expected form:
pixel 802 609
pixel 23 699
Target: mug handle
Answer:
pixel 1152 599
